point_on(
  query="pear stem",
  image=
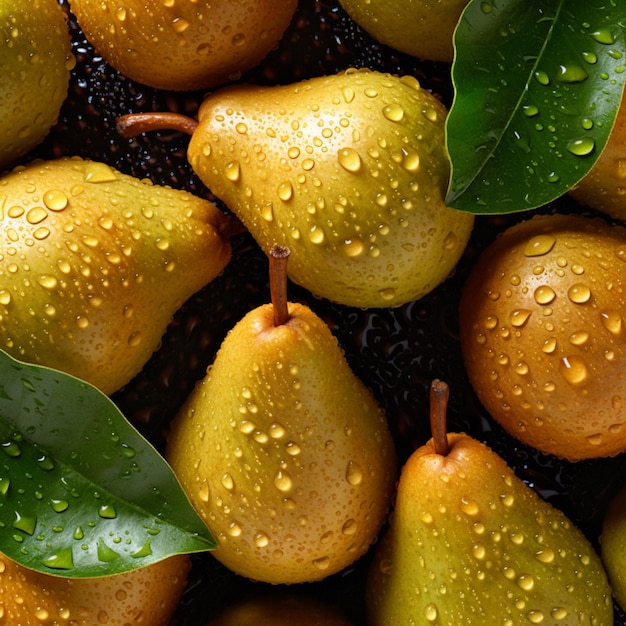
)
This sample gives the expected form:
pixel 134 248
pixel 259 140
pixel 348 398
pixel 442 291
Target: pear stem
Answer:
pixel 279 256
pixel 439 394
pixel 134 124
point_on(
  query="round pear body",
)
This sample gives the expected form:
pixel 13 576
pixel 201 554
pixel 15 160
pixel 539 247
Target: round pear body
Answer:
pixel 604 187
pixel 470 543
pixel 283 451
pixel 542 334
pixel 94 263
pixel 422 28
pixel 35 63
pixel 182 46
pixel 146 595
pixel 348 171
pixel 613 545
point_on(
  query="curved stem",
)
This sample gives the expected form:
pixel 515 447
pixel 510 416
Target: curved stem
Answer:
pixel 279 256
pixel 439 394
pixel 134 124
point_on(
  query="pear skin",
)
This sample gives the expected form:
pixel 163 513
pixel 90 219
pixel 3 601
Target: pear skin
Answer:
pixel 94 263
pixel 613 545
pixel 284 452
pixel 349 171
pixel 470 543
pixel 35 61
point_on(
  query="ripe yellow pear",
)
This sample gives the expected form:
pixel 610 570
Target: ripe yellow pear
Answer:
pixel 349 171
pixel 542 334
pixel 470 543
pixel 35 63
pixel 282 450
pixel 94 263
pixel 148 595
pixel 422 28
pixel 180 46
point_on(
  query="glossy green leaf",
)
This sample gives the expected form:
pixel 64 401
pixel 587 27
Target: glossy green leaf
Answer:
pixel 82 493
pixel 537 88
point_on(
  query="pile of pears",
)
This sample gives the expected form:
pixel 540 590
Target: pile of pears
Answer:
pixel 286 453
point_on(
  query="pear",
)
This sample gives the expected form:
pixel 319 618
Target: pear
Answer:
pixel 94 263
pixel 422 28
pixel 542 334
pixel 282 450
pixel 35 63
pixel 349 171
pixel 147 595
pixel 470 543
pixel 181 46
pixel 613 545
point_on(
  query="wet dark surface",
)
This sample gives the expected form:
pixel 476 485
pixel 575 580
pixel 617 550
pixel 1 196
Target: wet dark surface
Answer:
pixel 396 352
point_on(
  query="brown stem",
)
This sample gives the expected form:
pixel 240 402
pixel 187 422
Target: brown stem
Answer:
pixel 134 124
pixel 439 394
pixel 279 255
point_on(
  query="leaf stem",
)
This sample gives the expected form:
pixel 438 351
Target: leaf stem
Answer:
pixel 439 394
pixel 134 124
pixel 279 256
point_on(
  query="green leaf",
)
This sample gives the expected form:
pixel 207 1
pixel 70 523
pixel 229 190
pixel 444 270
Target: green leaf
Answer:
pixel 82 493
pixel 537 88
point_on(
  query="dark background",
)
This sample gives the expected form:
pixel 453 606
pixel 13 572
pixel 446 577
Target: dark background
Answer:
pixel 396 352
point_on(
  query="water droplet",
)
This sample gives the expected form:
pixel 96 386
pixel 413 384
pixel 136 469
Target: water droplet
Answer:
pixel 232 171
pixel 526 582
pixel 544 295
pixel 349 159
pixel 535 617
pixel 97 172
pixel 36 215
pixel 545 555
pixel 61 559
pixel 519 317
pixel 469 507
pixel 590 57
pixel 283 481
pixel 25 523
pixel 145 550
pixel 59 505
pixel 107 511
pixel 579 338
pixel 78 533
pixel 55 200
pixel 574 370
pixel 322 563
pixel 530 110
pixel 603 36
pixel 354 474
pixel 542 77
pixel 393 112
pixel 228 482
pixel 579 293
pixel 539 245
pixel 572 73
pixel 430 612
pixel 353 247
pixel 581 147
pixel 106 554
pixel 612 321
pixel 285 191
pixel 410 160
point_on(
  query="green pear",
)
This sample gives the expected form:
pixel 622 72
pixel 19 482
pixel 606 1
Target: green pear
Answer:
pixel 94 263
pixel 349 171
pixel 613 545
pixel 35 63
pixel 470 543
pixel 283 451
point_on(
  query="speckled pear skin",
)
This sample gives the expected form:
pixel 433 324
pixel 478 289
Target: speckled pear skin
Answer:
pixel 470 543
pixel 284 452
pixel 94 263
pixel 349 171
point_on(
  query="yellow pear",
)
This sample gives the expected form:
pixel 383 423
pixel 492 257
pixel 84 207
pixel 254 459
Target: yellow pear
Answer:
pixel 187 45
pixel 349 171
pixel 148 595
pixel 470 543
pixel 94 263
pixel 283 451
pixel 35 62
pixel 613 545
